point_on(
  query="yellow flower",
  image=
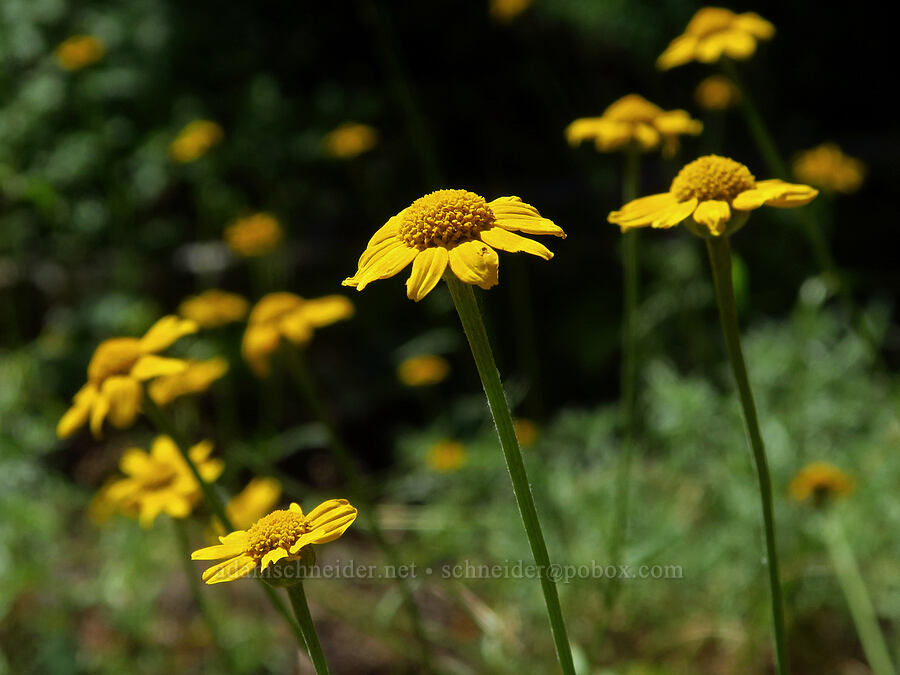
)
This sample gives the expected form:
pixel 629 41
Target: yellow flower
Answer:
pixel 115 373
pixel 161 481
pixel 277 536
pixel 214 308
pixel 527 431
pixel 253 502
pixel 714 32
pixel 253 236
pixel 285 315
pixel 507 10
pixel 456 228
pixel 713 195
pixel 716 93
pixel 827 167
pixel 423 370
pixel 195 378
pixel 821 481
pixel 79 51
pixel 195 140
pixel 446 456
pixel 349 140
pixel 633 120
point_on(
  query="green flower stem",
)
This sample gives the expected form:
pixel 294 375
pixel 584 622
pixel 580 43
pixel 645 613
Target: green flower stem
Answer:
pixel 470 317
pixel 308 628
pixel 720 259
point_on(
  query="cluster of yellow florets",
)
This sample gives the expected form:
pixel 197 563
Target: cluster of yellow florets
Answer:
pixel 279 529
pixel 445 217
pixel 712 178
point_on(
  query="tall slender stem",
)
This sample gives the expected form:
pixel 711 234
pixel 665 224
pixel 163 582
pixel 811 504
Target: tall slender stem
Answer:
pixel 720 260
pixel 470 317
pixel 304 619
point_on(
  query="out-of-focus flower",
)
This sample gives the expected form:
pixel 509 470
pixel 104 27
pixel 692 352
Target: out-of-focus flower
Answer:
pixel 827 167
pixel 255 235
pixel 423 370
pixel 456 228
pixel 288 316
pixel 446 456
pixel 715 32
pixel 527 432
pixel 194 379
pixel 79 51
pixel 349 140
pixel 101 508
pixel 253 502
pixel 716 93
pixel 115 373
pixel 505 11
pixel 214 308
pixel 822 481
pixel 195 140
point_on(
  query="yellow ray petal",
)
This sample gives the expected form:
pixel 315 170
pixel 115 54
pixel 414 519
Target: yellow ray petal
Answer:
pixel 713 213
pixel 680 51
pixel 497 237
pixel 98 414
pixel 232 545
pixel 272 556
pixel 77 416
pixel 642 211
pixel 753 23
pixel 738 44
pixel 237 567
pixel 385 265
pixel 514 214
pixel 326 310
pixel 674 214
pixel 476 263
pixel 150 366
pixel 258 343
pixel 427 270
pixel 124 395
pixel 165 332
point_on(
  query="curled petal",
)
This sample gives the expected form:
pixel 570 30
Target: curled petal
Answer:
pixel 474 262
pixel 714 214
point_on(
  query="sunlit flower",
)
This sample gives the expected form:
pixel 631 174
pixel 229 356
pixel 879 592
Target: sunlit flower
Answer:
pixel 214 308
pixel 195 140
pixel 423 370
pixel 278 536
pixel 527 432
pixel 115 373
pixel 446 456
pixel 635 121
pixel 79 51
pixel 288 316
pixel 716 93
pixel 349 140
pixel 713 195
pixel 255 235
pixel 456 228
pixel 161 481
pixel 715 32
pixel 194 379
pixel 507 10
pixel 822 481
pixel 827 167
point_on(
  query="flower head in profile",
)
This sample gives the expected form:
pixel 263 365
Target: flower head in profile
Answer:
pixel 505 11
pixel 115 373
pixel 194 379
pixel 214 308
pixel 827 167
pixel 446 456
pixel 716 93
pixel 349 140
pixel 255 235
pixel 278 536
pixel 195 140
pixel 713 195
pixel 821 481
pixel 287 316
pixel 715 32
pixel 423 370
pixel 79 51
pixel 454 228
pixel 634 121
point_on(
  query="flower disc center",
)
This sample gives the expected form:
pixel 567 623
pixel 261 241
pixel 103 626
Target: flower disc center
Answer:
pixel 444 217
pixel 712 177
pixel 279 529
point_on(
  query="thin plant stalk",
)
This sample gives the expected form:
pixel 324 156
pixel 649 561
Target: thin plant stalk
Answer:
pixel 473 326
pixel 719 251
pixel 301 610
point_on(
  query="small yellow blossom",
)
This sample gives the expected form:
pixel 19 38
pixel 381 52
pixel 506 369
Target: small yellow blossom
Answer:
pixel 717 93
pixel 446 456
pixel 634 121
pixel 822 481
pixel 194 379
pixel 423 370
pixel 827 167
pixel 254 236
pixel 79 51
pixel 115 373
pixel 505 11
pixel 195 140
pixel 714 195
pixel 214 308
pixel 527 432
pixel 349 140
pixel 454 228
pixel 288 316
pixel 278 536
pixel 715 32
pixel 253 502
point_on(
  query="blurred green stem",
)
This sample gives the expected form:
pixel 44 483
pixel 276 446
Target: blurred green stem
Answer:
pixel 470 317
pixel 308 628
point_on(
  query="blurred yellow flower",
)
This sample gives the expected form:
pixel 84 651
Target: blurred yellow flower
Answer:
pixel 115 373
pixel 79 51
pixel 349 140
pixel 527 432
pixel 456 228
pixel 822 481
pixel 507 10
pixel 195 140
pixel 715 32
pixel 161 481
pixel 827 167
pixel 446 456
pixel 278 536
pixel 194 379
pixel 214 308
pixel 253 502
pixel 633 120
pixel 285 315
pixel 423 370
pixel 255 235
pixel 714 195
pixel 716 93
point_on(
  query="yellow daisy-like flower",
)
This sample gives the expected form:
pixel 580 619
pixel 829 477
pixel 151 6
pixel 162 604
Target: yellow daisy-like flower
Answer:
pixel 288 316
pixel 827 167
pixel 423 370
pixel 527 432
pixel 194 379
pixel 115 373
pixel 214 308
pixel 79 51
pixel 446 456
pixel 715 32
pixel 254 236
pixel 161 481
pixel 278 536
pixel 822 481
pixel 456 228
pixel 195 140
pixel 633 120
pixel 716 93
pixel 349 140
pixel 714 195
pixel 505 11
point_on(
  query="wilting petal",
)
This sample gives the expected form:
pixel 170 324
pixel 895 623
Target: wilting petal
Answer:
pixel 427 270
pixel 474 262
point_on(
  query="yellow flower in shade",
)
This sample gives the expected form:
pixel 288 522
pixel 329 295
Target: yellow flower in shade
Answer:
pixel 79 51
pixel 635 121
pixel 288 316
pixel 278 536
pixel 253 236
pixel 527 431
pixel 349 140
pixel 195 140
pixel 715 32
pixel 214 308
pixel 423 370
pixel 454 228
pixel 716 93
pixel 115 373
pixel 446 456
pixel 507 10
pixel 827 167
pixel 822 481
pixel 713 195
pixel 194 379
pixel 161 481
